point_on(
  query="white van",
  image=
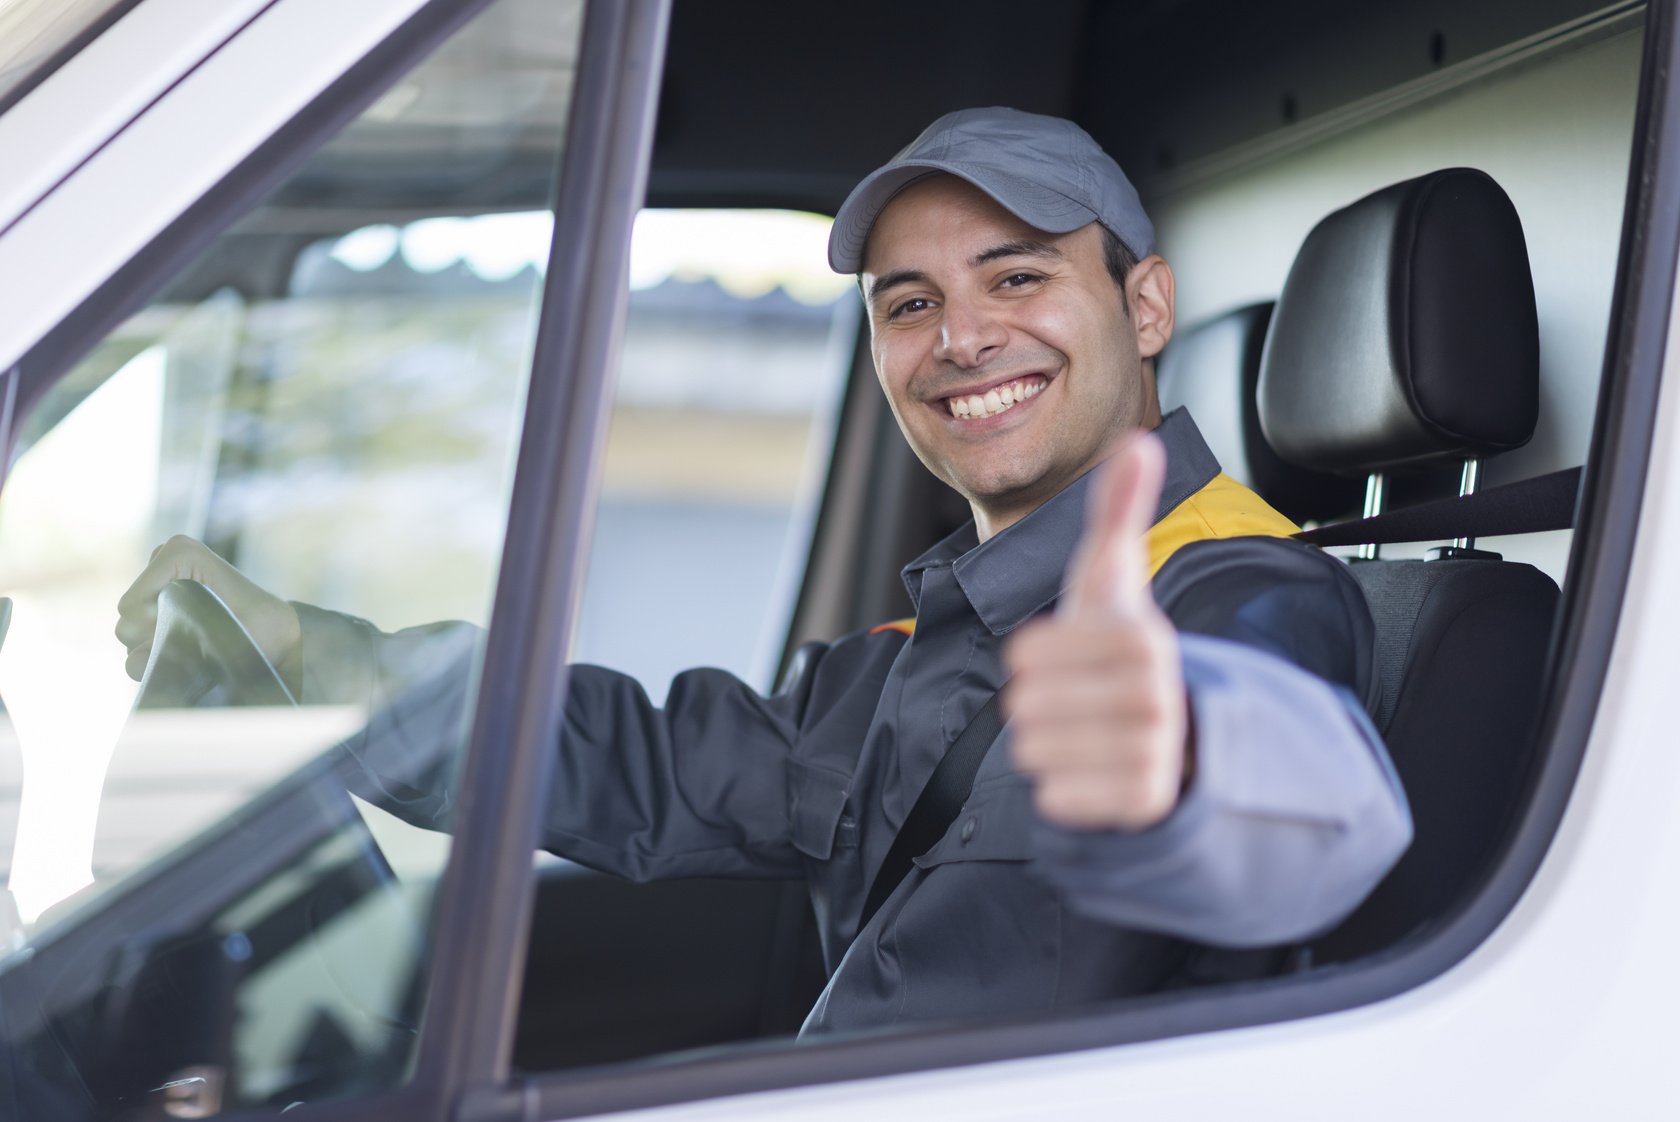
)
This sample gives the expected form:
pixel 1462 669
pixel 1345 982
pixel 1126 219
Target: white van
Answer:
pixel 515 312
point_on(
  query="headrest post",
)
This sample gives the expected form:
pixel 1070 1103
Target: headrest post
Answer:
pixel 1467 484
pixel 1376 487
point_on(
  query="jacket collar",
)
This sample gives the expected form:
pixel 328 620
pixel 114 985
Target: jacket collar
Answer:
pixel 1018 573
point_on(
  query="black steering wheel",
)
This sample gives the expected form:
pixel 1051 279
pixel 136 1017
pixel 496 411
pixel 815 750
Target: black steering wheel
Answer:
pixel 203 656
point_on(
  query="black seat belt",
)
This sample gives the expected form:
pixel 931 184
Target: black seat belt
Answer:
pixel 1546 502
pixel 936 807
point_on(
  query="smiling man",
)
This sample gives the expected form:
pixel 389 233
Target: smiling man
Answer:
pixel 1017 307
pixel 1187 773
pixel 1010 356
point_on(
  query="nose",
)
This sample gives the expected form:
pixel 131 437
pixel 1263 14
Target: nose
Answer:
pixel 969 334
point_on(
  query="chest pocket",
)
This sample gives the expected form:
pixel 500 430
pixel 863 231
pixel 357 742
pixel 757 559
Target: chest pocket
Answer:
pixel 980 935
pixel 817 810
pixel 992 825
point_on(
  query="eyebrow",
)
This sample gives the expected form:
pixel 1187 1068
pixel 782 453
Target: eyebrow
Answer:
pixel 1017 249
pixel 894 279
pixel 1023 248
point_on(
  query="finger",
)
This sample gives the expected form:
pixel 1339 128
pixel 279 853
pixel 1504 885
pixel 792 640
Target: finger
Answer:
pixel 139 596
pixel 137 606
pixel 1110 575
pixel 1070 646
pixel 1050 707
pixel 1100 799
pixel 135 665
pixel 137 626
pixel 1110 747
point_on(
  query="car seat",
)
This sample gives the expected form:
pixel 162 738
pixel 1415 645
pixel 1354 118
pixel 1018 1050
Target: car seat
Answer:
pixel 1213 369
pixel 1406 337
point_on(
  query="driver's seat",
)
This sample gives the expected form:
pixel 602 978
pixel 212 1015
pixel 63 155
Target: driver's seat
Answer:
pixel 1405 338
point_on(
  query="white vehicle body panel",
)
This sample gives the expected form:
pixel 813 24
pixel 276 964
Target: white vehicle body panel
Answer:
pixel 92 223
pixel 108 83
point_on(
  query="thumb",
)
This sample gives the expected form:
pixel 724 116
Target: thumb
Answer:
pixel 1110 573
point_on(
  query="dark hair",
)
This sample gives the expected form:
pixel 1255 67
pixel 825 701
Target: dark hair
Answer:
pixel 1120 260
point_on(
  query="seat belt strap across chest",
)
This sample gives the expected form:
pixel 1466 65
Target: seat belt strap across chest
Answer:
pixel 937 806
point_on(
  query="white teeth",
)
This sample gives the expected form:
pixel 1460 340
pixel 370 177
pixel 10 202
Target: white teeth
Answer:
pixel 994 401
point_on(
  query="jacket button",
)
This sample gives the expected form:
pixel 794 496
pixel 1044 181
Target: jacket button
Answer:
pixel 967 830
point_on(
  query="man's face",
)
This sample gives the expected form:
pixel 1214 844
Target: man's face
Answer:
pixel 1006 353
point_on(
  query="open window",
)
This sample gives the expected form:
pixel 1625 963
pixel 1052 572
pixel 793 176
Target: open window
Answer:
pixel 1256 127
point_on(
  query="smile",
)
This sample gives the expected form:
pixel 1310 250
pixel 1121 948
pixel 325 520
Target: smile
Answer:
pixel 995 400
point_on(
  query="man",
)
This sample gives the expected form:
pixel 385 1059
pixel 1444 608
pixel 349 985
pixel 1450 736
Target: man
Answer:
pixel 1188 767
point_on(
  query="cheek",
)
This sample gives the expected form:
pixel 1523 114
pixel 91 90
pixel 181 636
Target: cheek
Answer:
pixel 895 368
pixel 1062 326
pixel 885 371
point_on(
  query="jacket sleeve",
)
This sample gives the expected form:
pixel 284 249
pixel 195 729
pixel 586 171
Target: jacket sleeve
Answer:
pixel 1292 818
pixel 696 787
pixel 1294 812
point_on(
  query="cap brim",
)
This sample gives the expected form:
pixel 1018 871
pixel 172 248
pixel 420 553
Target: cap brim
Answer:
pixel 1038 207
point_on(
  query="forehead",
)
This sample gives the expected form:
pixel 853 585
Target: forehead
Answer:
pixel 941 212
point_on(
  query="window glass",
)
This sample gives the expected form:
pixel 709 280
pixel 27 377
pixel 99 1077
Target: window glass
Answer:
pixel 737 345
pixel 204 910
pixel 737 342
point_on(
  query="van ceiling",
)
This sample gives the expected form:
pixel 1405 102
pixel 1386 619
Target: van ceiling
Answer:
pixel 790 104
pixel 767 102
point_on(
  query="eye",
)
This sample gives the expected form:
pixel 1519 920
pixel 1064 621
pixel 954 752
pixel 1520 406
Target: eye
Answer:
pixel 908 307
pixel 1019 280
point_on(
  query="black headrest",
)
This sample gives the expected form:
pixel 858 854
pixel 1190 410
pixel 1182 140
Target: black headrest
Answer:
pixel 1406 332
pixel 1213 369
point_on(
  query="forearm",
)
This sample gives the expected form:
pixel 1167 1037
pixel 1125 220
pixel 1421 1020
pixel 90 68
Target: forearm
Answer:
pixel 695 787
pixel 411 691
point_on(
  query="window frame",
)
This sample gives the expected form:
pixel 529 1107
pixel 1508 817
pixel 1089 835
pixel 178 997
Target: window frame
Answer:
pixel 1601 553
pixel 120 64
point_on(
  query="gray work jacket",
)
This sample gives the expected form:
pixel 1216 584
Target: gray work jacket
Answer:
pixel 1293 815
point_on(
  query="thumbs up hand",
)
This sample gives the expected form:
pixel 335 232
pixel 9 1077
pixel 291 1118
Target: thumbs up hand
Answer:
pixel 1096 698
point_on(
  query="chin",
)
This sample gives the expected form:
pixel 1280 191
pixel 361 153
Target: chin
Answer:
pixel 1009 493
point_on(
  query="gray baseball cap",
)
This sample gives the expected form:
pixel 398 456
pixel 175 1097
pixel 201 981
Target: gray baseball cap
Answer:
pixel 1047 172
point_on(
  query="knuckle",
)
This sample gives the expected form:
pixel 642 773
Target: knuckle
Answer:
pixel 1026 751
pixel 1031 645
pixel 1152 707
pixel 1061 802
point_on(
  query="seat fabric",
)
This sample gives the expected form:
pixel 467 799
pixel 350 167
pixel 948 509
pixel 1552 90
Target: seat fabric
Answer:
pixel 1462 651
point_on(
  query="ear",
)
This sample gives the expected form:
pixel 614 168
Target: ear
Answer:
pixel 1149 288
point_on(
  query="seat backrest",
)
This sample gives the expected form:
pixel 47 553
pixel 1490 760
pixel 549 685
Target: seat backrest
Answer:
pixel 1406 336
pixel 1213 369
